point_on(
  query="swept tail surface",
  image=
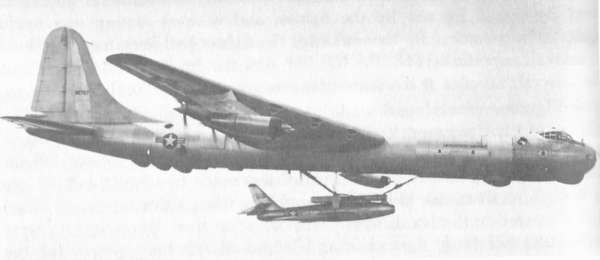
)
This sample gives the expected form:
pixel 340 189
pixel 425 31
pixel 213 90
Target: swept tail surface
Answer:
pixel 262 201
pixel 68 87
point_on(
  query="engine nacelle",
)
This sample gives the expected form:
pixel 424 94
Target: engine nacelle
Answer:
pixel 141 162
pixel 497 181
pixel 170 152
pixel 368 180
pixel 252 126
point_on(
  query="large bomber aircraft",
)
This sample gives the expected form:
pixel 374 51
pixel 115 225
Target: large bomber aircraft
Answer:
pixel 73 108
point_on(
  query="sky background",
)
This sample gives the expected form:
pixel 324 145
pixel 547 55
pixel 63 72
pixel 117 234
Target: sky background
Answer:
pixel 392 67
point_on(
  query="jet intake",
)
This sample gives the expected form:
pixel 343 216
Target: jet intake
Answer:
pixel 251 125
pixel 368 180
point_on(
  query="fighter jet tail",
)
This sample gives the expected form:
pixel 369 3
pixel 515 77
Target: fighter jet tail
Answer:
pixel 262 201
pixel 68 87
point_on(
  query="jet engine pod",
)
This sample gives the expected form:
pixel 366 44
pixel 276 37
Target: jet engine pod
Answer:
pixel 367 180
pixel 252 126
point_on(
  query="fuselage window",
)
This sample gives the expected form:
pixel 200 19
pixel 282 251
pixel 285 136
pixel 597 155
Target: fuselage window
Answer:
pixel 557 135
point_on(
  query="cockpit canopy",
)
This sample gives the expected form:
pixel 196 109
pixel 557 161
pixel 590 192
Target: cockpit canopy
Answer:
pixel 558 136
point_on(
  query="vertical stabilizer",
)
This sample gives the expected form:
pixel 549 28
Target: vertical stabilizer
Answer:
pixel 68 87
pixel 262 199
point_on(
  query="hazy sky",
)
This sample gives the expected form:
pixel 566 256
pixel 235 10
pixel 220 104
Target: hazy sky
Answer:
pixel 392 67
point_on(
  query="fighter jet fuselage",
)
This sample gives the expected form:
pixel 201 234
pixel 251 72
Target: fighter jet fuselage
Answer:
pixel 337 207
pixel 314 213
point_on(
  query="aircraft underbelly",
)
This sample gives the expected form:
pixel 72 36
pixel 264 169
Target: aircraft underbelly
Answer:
pixel 183 150
pixel 325 213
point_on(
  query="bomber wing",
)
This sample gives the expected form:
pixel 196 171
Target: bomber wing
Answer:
pixel 238 114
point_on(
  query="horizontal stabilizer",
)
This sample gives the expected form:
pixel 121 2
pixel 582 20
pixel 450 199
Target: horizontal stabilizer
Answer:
pixel 38 123
pixel 255 210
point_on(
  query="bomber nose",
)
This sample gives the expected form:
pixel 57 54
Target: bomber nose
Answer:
pixel 575 166
pixel 591 157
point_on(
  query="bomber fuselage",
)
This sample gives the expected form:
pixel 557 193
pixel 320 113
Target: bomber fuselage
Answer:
pixel 496 160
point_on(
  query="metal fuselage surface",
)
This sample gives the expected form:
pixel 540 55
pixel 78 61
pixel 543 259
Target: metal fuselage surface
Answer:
pixel 315 213
pixel 496 160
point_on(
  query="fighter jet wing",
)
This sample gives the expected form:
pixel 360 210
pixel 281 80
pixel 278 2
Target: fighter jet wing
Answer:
pixel 205 100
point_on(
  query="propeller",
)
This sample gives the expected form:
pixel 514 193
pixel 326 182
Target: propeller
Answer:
pixel 397 186
pixel 184 110
pixel 225 141
pixel 335 181
pixel 214 135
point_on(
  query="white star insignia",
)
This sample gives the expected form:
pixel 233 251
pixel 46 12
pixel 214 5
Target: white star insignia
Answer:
pixel 170 140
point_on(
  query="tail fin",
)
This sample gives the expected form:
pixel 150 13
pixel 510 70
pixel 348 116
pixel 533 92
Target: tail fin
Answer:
pixel 262 201
pixel 68 87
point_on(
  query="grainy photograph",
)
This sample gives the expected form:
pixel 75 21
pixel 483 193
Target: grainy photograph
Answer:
pixel 299 129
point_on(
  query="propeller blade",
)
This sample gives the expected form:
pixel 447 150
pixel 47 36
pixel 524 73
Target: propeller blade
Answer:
pixel 397 186
pixel 335 181
pixel 225 141
pixel 184 110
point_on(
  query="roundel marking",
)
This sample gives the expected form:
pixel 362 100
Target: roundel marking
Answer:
pixel 169 140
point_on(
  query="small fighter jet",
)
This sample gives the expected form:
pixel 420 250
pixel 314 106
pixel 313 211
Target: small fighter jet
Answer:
pixel 337 207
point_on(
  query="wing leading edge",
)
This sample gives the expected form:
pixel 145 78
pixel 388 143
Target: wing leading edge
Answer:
pixel 213 103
